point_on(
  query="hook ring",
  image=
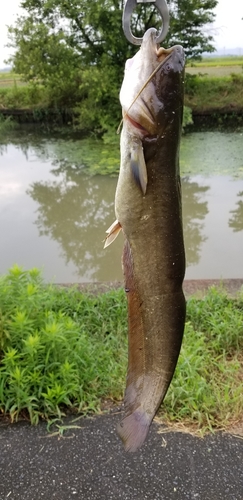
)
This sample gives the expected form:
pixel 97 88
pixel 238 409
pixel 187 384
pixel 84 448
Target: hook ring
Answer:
pixel 127 14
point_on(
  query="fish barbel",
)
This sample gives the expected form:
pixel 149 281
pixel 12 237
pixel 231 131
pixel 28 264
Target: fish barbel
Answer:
pixel 148 210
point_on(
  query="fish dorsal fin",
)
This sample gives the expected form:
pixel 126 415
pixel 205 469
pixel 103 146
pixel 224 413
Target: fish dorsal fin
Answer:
pixel 138 167
pixel 112 233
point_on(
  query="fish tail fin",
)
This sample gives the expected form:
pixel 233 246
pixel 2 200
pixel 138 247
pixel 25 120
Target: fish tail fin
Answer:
pixel 133 430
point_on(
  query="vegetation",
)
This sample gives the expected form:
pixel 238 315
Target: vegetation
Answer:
pixel 77 49
pixel 6 125
pixel 22 97
pixel 217 61
pixel 58 348
pixel 204 93
pixel 8 78
pixel 57 36
pixel 65 350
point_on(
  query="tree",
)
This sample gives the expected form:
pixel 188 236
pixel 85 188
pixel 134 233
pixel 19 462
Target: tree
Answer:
pixel 78 50
pixel 188 21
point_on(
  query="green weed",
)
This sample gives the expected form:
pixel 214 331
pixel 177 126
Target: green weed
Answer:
pixel 204 93
pixel 22 97
pixel 61 349
pixel 207 386
pixel 187 117
pixel 7 124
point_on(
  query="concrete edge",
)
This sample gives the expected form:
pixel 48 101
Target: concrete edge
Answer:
pixel 191 287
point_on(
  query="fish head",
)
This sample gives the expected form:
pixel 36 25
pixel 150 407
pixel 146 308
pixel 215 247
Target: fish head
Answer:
pixel 151 95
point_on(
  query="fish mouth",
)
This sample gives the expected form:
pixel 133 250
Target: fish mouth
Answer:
pixel 163 54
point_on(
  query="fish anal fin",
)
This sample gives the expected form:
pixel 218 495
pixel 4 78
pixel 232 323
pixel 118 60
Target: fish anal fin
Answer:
pixel 112 233
pixel 138 167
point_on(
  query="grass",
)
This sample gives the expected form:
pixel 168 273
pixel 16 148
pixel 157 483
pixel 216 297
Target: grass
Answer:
pixel 211 84
pixel 9 79
pixel 7 124
pixel 216 66
pixel 22 97
pixel 59 349
pixel 218 61
pixel 207 387
pixel 203 93
pixel 62 350
pixel 9 75
pixel 214 71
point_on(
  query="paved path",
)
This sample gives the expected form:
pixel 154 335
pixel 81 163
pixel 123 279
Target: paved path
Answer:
pixel 89 463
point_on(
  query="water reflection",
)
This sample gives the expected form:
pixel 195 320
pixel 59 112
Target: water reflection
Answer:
pixel 75 210
pixel 236 221
pixel 194 212
pixel 94 154
pixel 61 222
pixel 28 144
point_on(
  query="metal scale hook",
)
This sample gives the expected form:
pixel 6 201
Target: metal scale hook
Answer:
pixel 126 20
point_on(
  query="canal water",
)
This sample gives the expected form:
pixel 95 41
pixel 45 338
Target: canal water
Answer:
pixel 54 213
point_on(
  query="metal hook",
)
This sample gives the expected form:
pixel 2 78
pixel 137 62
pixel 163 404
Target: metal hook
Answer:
pixel 127 13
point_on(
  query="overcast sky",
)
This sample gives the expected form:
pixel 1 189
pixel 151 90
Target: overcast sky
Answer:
pixel 227 32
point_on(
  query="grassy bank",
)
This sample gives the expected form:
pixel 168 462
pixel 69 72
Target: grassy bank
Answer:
pixel 62 350
pixel 204 92
pixel 23 97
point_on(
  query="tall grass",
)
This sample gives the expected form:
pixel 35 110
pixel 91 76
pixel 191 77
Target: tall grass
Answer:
pixel 58 348
pixel 16 97
pixel 207 387
pixel 61 349
pixel 202 92
pixel 7 124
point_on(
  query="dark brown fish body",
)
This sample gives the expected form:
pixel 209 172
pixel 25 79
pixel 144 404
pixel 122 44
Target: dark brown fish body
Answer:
pixel 153 259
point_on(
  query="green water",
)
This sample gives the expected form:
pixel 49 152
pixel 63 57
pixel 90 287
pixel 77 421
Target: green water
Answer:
pixel 54 213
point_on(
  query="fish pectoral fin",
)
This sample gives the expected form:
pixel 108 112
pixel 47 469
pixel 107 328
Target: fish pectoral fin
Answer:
pixel 138 167
pixel 112 233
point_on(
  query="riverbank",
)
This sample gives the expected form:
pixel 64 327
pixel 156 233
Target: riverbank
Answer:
pixel 197 287
pixel 213 101
pixel 228 117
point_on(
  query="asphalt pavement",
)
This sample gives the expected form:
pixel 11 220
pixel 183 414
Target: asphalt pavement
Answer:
pixel 89 463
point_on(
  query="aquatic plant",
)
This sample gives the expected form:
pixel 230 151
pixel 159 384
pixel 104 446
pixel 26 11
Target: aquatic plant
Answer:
pixel 7 124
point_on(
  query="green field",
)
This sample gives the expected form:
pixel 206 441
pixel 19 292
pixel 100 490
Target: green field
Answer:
pixel 216 66
pixel 9 79
pixel 220 61
pixel 214 71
